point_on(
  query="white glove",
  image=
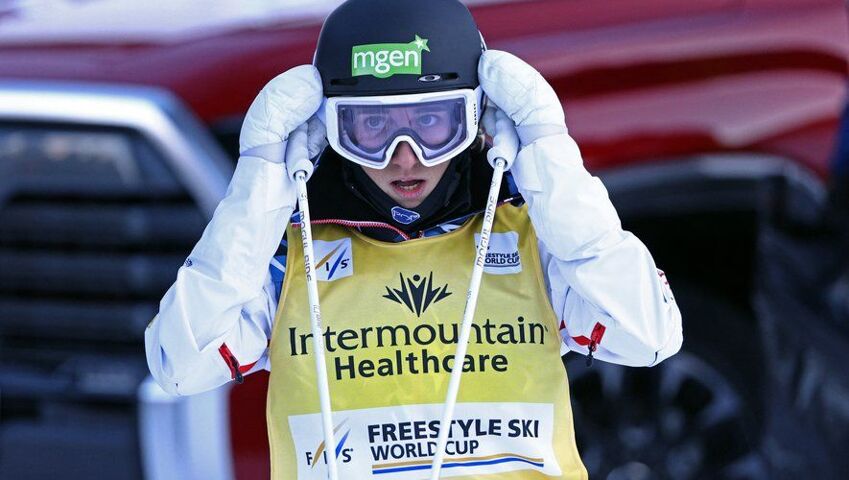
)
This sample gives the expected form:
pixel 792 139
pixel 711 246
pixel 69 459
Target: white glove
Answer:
pixel 523 94
pixel 288 101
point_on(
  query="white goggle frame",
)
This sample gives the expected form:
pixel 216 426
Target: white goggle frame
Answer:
pixel 473 105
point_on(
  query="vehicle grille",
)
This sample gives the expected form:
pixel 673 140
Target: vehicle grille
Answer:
pixel 88 246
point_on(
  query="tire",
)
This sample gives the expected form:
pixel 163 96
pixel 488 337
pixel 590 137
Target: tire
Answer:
pixel 696 415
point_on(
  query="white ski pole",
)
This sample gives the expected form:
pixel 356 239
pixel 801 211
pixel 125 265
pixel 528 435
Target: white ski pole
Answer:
pixel 301 170
pixel 501 156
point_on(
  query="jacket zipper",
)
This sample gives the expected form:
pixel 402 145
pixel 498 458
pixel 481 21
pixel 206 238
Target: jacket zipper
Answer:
pixel 232 363
pixel 595 339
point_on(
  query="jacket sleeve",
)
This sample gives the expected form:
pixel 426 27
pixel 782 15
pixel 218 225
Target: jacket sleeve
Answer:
pixel 603 282
pixel 215 321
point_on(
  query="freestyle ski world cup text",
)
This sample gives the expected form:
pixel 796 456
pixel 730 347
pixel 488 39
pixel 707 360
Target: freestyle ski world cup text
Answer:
pixel 393 442
pixel 415 439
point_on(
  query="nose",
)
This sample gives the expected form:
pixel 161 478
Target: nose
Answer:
pixel 404 157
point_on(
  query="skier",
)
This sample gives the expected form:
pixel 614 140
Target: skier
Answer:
pixel 397 89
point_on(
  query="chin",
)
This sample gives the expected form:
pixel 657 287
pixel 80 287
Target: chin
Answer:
pixel 407 204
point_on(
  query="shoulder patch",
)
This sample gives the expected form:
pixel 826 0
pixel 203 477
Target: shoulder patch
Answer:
pixel 502 258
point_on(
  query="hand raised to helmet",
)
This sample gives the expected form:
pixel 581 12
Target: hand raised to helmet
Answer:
pixel 287 102
pixel 518 90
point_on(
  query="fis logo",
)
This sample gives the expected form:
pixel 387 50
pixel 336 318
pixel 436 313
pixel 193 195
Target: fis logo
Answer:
pixel 335 259
pixel 417 293
pixel 342 453
pixel 382 60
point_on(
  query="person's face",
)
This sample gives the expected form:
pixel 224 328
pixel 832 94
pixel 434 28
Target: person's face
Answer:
pixel 405 179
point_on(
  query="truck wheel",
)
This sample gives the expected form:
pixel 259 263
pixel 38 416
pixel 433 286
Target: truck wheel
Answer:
pixel 696 415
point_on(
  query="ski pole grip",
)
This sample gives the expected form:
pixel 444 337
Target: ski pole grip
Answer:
pixel 297 153
pixel 505 139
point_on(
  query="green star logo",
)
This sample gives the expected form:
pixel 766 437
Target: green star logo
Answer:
pixel 421 43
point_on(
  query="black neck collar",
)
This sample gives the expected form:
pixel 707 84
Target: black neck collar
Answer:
pixel 338 192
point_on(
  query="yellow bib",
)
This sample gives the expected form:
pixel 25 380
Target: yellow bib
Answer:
pixel 391 313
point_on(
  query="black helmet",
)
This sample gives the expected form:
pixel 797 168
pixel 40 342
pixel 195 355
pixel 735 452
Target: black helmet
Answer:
pixel 388 47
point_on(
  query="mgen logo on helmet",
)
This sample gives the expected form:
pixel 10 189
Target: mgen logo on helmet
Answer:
pixel 354 54
pixel 386 59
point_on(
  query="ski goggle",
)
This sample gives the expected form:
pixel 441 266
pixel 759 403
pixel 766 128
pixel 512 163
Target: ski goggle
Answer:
pixel 438 125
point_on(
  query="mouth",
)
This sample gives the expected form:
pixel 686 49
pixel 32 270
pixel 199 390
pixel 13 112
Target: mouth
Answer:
pixel 411 188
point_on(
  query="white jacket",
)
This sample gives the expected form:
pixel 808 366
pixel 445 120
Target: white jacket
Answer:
pixel 600 278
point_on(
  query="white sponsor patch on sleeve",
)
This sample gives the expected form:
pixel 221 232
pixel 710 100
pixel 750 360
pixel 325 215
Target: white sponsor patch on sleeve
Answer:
pixel 503 255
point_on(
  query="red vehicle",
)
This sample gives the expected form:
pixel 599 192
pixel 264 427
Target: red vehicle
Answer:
pixel 711 122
